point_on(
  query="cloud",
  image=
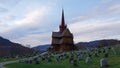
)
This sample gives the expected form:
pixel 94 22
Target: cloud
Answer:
pixel 106 1
pixel 114 9
pixel 101 22
pixel 3 9
pixel 30 27
pixel 29 20
pixel 109 9
pixel 9 2
pixel 102 11
pixel 35 39
pixel 25 25
pixel 33 17
pixel 95 30
pixel 6 19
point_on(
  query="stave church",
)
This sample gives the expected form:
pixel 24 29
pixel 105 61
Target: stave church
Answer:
pixel 63 39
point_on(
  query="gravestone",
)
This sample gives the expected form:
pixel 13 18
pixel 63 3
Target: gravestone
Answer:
pixel 30 61
pixel 71 60
pixel 104 62
pixel 79 57
pixel 88 59
pixel 75 63
pixel 49 59
pixel 37 61
pixel 105 55
pixel 57 60
pixel 103 50
pixel 115 50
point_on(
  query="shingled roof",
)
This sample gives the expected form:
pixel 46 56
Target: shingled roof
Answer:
pixel 56 34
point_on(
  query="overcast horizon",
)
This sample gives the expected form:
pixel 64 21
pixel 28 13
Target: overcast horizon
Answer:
pixel 31 22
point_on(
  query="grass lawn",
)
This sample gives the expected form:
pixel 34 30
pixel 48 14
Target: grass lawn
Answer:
pixel 113 61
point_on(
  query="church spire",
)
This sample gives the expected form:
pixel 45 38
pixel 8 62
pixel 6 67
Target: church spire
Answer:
pixel 62 20
pixel 63 25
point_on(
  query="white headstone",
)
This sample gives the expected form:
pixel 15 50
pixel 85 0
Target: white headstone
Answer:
pixel 115 50
pixel 80 56
pixel 103 62
pixel 88 59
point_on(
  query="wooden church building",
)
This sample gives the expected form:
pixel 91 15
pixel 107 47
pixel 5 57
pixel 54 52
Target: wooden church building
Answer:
pixel 63 39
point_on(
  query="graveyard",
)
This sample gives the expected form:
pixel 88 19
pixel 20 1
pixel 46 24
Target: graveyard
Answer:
pixel 107 57
pixel 59 34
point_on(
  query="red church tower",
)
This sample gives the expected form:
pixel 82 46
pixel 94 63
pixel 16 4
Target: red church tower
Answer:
pixel 63 39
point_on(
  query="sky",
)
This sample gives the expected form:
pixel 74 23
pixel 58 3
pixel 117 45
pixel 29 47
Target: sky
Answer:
pixel 31 22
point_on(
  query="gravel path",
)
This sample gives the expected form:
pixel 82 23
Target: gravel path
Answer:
pixel 7 62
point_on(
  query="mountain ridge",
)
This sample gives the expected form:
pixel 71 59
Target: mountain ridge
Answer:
pixel 96 43
pixel 8 48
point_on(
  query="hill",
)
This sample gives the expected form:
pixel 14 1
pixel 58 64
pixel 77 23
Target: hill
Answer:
pixel 8 48
pixel 41 47
pixel 98 43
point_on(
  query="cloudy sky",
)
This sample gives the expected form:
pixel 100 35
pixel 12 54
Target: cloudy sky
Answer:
pixel 31 22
